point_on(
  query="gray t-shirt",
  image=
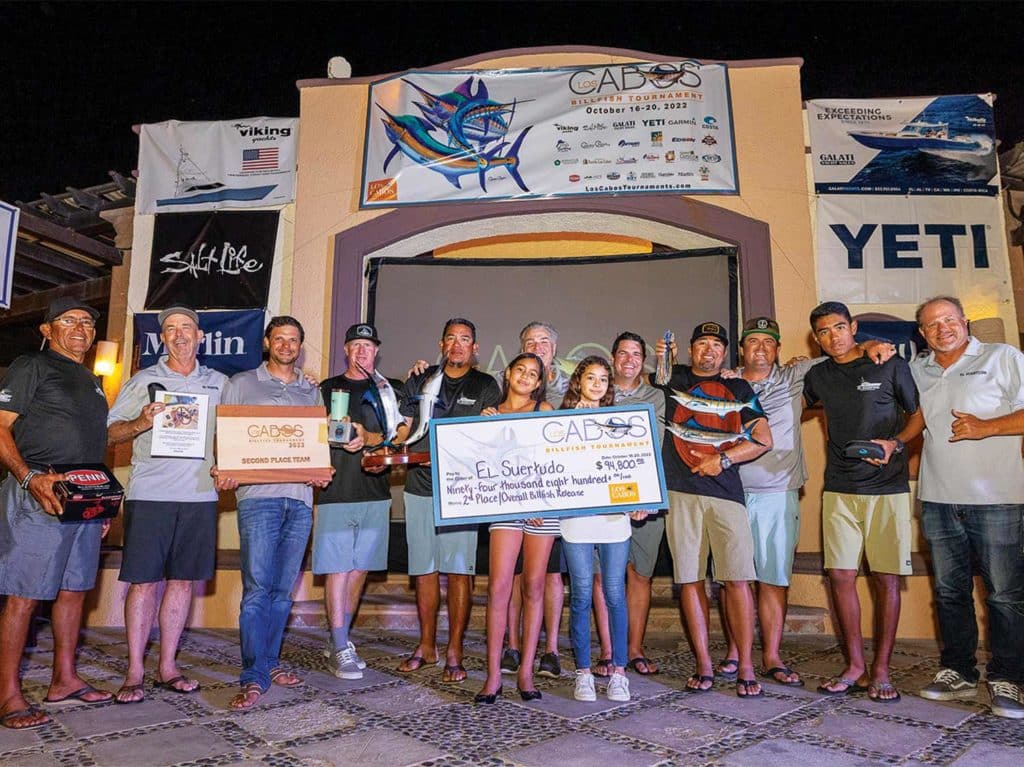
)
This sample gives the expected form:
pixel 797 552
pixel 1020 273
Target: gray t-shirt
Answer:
pixel 259 387
pixel 646 394
pixel 781 394
pixel 168 479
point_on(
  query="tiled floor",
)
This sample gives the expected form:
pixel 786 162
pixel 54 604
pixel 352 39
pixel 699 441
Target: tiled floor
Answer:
pixel 390 719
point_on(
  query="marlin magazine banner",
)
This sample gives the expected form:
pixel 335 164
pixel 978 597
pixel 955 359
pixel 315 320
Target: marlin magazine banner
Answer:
pixel 185 166
pixel 8 244
pixel 603 129
pixel 232 341
pixel 930 146
pixel 218 260
pixel 894 249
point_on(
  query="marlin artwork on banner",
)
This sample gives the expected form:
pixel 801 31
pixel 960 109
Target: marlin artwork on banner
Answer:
pixel 474 129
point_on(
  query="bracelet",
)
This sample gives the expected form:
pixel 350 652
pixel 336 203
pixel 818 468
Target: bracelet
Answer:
pixel 28 478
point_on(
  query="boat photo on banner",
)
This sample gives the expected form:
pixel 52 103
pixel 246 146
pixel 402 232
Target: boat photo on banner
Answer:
pixel 936 145
pixel 635 128
pixel 191 166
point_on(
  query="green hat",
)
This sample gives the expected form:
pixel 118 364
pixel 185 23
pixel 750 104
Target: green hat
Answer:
pixel 765 325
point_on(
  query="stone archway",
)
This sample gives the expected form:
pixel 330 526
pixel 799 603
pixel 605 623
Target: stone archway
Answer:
pixel 677 222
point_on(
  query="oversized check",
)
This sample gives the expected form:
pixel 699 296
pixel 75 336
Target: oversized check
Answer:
pixel 557 463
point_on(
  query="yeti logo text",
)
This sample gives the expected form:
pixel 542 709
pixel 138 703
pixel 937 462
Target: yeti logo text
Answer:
pixel 900 238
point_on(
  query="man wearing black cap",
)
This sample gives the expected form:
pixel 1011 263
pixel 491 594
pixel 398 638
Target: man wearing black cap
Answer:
pixel 713 424
pixel 52 411
pixel 350 534
pixel 170 527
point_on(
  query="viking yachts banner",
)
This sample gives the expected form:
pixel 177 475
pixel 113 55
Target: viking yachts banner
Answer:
pixel 941 145
pixel 232 341
pixel 207 165
pixel 902 250
pixel 8 244
pixel 548 464
pixel 219 260
pixel 622 128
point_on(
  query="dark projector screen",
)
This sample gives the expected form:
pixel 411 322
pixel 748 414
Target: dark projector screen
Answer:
pixel 589 301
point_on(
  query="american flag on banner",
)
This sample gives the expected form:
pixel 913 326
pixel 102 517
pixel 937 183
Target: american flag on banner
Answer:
pixel 259 159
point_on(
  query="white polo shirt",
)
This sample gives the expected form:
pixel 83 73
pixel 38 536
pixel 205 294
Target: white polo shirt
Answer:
pixel 987 381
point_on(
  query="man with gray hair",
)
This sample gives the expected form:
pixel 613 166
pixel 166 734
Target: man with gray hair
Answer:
pixel 541 338
pixel 971 488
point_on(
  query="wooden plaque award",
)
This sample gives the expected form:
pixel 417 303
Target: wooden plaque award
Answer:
pixel 263 444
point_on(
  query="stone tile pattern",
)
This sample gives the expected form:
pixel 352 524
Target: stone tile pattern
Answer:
pixel 397 720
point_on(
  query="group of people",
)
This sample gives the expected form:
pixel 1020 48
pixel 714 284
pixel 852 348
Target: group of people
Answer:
pixel 733 509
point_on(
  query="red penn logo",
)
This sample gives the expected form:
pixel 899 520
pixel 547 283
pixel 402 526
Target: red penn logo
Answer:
pixel 86 477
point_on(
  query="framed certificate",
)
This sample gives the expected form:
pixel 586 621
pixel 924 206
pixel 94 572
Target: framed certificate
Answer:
pixel 179 430
pixel 261 444
pixel 554 463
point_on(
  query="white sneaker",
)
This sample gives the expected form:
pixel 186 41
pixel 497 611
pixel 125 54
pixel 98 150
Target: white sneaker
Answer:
pixel 618 688
pixel 329 651
pixel 343 664
pixel 585 687
pixel 949 685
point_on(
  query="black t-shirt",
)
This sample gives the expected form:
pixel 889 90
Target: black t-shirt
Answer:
pixel 350 483
pixel 464 396
pixel 678 477
pixel 62 411
pixel 863 400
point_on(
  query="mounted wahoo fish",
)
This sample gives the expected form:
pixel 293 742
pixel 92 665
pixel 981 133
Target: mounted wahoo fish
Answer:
pixel 381 397
pixel 699 402
pixel 691 431
pixel 429 395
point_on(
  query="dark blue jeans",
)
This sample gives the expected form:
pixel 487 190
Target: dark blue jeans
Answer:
pixel 989 538
pixel 273 534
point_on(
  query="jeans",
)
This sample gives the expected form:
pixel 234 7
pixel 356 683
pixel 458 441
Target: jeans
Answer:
pixel 579 557
pixel 988 538
pixel 274 533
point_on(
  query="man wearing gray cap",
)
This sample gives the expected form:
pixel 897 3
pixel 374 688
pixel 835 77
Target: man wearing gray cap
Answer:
pixel 52 411
pixel 170 525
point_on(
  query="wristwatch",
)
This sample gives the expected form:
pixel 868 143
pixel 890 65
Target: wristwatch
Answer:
pixel 899 445
pixel 726 461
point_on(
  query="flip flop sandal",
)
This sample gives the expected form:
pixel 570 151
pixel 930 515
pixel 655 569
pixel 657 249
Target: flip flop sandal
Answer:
pixel 450 671
pixel 745 685
pixel 700 679
pixel 414 663
pixel 170 685
pixel 635 664
pixel 132 689
pixel 770 674
pixel 78 696
pixel 603 668
pixel 12 715
pixel 850 686
pixel 278 674
pixel 242 698
pixel 729 676
pixel 878 688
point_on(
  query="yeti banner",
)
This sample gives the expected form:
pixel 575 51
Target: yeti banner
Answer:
pixel 212 260
pixel 612 129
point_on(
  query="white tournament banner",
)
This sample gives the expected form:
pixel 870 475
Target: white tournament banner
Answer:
pixel 903 250
pixel 555 463
pixel 192 166
pixel 618 128
pixel 927 145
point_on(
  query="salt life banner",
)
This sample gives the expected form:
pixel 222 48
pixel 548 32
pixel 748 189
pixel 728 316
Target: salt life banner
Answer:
pixel 244 163
pixel 902 250
pixel 232 341
pixel 8 245
pixel 555 463
pixel 621 128
pixel 941 145
pixel 219 260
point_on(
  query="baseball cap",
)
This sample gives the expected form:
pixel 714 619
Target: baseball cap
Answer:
pixel 710 329
pixel 362 332
pixel 765 325
pixel 60 305
pixel 188 311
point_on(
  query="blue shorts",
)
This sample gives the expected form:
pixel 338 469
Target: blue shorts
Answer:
pixel 433 549
pixel 775 525
pixel 351 536
pixel 39 554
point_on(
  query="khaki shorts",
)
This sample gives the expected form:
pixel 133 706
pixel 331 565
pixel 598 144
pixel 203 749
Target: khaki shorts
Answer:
pixel 697 524
pixel 876 525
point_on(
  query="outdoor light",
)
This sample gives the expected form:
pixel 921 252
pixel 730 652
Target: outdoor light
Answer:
pixel 106 358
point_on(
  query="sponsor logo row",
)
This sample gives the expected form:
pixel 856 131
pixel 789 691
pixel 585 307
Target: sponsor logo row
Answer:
pixel 709 122
pixel 668 157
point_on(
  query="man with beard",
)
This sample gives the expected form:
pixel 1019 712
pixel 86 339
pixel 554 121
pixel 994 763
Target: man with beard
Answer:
pixel 52 411
pixel 972 498
pixel 465 391
pixel 706 510
pixel 274 520
pixel 170 512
